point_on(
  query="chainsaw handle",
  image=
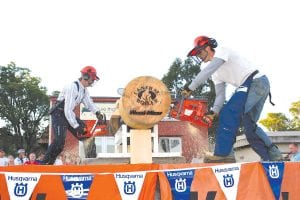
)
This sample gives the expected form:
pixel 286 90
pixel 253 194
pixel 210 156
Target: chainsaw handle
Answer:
pixel 207 120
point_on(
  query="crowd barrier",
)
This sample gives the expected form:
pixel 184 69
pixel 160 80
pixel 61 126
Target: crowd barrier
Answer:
pixel 253 181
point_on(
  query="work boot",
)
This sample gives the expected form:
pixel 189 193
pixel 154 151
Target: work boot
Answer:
pixel 210 158
pixel 274 153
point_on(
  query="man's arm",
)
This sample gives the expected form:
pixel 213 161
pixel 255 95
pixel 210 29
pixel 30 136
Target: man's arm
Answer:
pixel 206 73
pixel 87 101
pixel 220 97
pixel 71 94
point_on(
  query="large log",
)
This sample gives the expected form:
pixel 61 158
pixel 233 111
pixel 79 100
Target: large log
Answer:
pixel 145 101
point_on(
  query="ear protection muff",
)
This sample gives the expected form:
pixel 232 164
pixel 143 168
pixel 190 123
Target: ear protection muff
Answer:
pixel 212 43
pixel 85 76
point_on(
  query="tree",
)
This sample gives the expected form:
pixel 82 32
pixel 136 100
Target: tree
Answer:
pixel 181 74
pixel 24 105
pixel 295 111
pixel 279 122
pixel 6 140
pixel 276 122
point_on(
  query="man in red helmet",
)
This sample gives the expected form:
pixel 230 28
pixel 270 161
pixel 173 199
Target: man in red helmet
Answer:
pixel 227 67
pixel 64 118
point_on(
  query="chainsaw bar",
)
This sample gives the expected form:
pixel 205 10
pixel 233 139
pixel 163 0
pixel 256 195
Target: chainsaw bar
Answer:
pixel 98 128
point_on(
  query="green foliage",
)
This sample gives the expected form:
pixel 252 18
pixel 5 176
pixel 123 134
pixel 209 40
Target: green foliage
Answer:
pixel 275 122
pixel 24 105
pixel 181 74
pixel 279 122
pixel 295 111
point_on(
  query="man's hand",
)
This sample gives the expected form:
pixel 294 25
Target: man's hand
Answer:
pixel 186 92
pixel 81 129
pixel 99 115
pixel 210 116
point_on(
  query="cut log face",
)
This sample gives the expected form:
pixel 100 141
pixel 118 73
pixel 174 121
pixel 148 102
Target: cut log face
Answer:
pixel 145 101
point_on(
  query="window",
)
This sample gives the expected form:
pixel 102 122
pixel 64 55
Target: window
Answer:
pixel 169 144
pixel 105 144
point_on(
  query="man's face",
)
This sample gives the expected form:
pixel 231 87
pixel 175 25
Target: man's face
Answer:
pixel 203 54
pixel 293 148
pixel 2 154
pixel 88 83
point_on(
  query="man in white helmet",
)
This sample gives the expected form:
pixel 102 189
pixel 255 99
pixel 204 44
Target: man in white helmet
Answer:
pixel 244 107
pixel 64 118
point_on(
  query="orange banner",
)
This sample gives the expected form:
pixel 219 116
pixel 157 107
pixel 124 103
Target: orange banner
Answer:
pixel 252 184
pixel 104 187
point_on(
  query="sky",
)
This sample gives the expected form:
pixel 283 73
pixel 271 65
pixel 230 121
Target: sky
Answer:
pixel 127 39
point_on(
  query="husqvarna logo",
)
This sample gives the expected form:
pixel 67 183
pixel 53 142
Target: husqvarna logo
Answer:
pixel 129 187
pixel 180 185
pixel 228 180
pixel 273 171
pixel 76 190
pixel 20 189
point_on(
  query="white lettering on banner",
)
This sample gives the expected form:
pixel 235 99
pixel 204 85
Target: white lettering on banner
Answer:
pixel 21 185
pixel 77 178
pixel 180 173
pixel 130 184
pixel 228 177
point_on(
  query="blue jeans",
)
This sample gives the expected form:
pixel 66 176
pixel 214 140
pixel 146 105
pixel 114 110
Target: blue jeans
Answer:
pixel 60 126
pixel 244 107
pixel 231 117
pixel 256 137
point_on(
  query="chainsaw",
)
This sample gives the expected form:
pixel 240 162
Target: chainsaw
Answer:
pixel 95 128
pixel 191 110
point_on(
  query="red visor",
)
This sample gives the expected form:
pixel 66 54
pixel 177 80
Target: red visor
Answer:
pixel 94 76
pixel 195 51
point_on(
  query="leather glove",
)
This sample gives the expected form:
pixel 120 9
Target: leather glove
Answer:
pixel 81 129
pixel 99 115
pixel 210 115
pixel 186 92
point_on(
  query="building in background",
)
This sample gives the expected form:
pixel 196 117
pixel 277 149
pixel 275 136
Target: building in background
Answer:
pixel 282 139
pixel 175 138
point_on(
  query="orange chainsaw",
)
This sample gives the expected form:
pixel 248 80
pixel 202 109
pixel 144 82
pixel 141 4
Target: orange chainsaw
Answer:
pixel 95 128
pixel 191 110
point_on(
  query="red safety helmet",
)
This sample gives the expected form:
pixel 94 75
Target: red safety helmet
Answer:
pixel 89 72
pixel 200 43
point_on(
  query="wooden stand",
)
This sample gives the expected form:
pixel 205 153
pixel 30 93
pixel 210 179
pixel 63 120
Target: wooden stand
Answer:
pixel 140 146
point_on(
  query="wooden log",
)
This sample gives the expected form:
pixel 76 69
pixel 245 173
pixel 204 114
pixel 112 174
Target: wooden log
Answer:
pixel 145 101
